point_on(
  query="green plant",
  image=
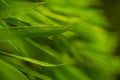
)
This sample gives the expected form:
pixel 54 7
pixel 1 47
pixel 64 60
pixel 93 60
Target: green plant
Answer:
pixel 55 40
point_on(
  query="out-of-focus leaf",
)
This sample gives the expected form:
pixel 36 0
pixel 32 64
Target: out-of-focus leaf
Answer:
pixel 32 72
pixel 29 32
pixel 45 49
pixel 8 72
pixel 41 63
pixel 13 8
pixel 70 73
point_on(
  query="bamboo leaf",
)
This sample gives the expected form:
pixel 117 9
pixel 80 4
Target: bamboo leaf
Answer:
pixel 41 63
pixel 32 72
pixel 14 8
pixel 29 32
pixel 8 72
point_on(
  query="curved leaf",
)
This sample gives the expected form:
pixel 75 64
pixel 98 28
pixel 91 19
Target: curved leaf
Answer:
pixel 41 63
pixel 8 72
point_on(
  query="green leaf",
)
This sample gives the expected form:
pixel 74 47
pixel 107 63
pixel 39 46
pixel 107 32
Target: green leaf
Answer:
pixel 70 73
pixel 41 63
pixel 29 32
pixel 45 49
pixel 13 8
pixel 8 72
pixel 32 72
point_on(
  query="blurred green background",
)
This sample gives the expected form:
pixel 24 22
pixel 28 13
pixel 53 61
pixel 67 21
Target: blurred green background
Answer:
pixel 59 40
